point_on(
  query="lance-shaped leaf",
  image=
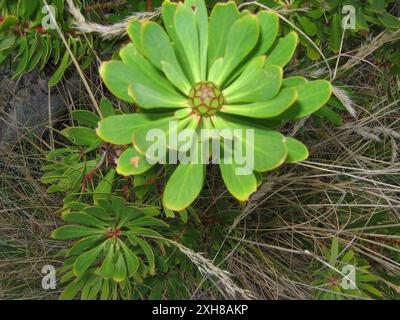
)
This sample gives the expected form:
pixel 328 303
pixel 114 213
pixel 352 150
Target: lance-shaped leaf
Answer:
pixel 107 267
pixel 131 162
pixel 83 245
pixel 240 185
pixel 266 109
pixel 311 97
pixel 118 129
pixel 269 26
pixel 222 18
pixel 297 151
pixel 267 147
pixel 281 53
pixel 132 261
pixel 255 84
pixel 84 218
pixel 147 250
pixel 200 11
pixel 73 231
pixel 242 38
pixel 151 98
pixel 120 270
pixel 147 222
pixel 85 260
pixel 183 186
pixel 187 31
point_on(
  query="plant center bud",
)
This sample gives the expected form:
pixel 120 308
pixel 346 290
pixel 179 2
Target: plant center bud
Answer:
pixel 205 98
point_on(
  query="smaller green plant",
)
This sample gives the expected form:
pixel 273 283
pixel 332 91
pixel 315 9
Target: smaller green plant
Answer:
pixel 347 276
pixel 84 161
pixel 111 251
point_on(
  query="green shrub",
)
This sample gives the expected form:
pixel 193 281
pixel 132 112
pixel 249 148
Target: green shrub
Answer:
pixel 112 244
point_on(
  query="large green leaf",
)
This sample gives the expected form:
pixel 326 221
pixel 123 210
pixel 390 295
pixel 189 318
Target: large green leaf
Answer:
pixel 118 129
pixel 242 38
pixel 297 151
pixel 281 53
pixel 135 33
pixel 168 14
pixel 176 77
pixel 269 146
pixel 294 81
pixel 131 162
pixel 187 31
pixel 118 76
pixel 311 97
pixel 255 83
pixel 269 26
pixel 156 44
pixel 200 11
pixel 240 186
pixel 266 109
pixel 222 18
pixel 150 98
pixel 183 186
pixel 145 72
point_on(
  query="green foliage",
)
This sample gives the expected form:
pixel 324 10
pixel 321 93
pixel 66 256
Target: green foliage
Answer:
pixel 345 276
pixel 111 248
pixel 323 22
pixel 83 161
pixel 28 42
pixel 172 72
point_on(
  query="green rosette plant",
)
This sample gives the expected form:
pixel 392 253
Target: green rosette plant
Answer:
pixel 112 247
pixel 199 72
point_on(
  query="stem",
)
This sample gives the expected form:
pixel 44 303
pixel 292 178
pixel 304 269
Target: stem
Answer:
pixel 148 6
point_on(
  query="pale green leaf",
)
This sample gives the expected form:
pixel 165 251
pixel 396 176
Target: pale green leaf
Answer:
pixel 184 186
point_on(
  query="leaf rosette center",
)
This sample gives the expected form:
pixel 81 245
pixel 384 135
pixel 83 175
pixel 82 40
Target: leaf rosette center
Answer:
pixel 205 98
